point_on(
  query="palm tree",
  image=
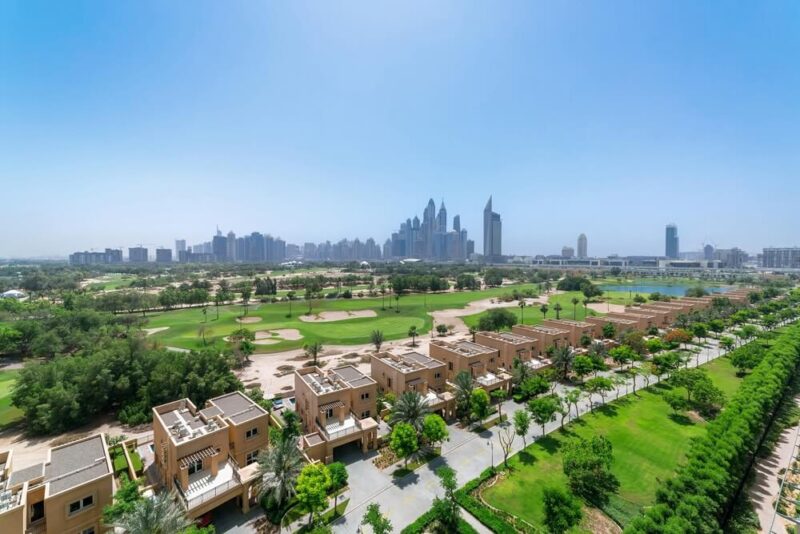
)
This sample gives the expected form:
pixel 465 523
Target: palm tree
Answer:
pixel 562 360
pixel 558 309
pixel 411 408
pixel 575 301
pixel 313 350
pixel 278 468
pixel 586 306
pixel 473 331
pixel 544 308
pixel 377 339
pixel 201 332
pixel 522 311
pixel 160 514
pixel 383 296
pixel 412 333
pixel 463 392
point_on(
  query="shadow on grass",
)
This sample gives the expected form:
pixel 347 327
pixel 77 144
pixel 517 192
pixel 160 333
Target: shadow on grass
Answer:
pixel 681 419
pixel 526 458
pixel 549 444
pixel 609 410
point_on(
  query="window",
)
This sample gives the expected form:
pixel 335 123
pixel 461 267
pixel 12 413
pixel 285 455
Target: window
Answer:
pixel 329 413
pixel 364 396
pixel 389 382
pixel 449 366
pixel 195 467
pixel 252 457
pixel 253 432
pixel 77 506
pixel 437 375
pixel 37 511
pixel 365 414
pixel 89 530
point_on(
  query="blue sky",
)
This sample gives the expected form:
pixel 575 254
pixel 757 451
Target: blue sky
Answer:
pixel 136 122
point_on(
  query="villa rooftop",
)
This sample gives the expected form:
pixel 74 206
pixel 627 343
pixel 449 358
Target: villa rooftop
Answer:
pixel 184 422
pixel 466 348
pixel 352 376
pixel 235 406
pixel 76 463
pixel 509 337
pixel 580 324
pixel 409 361
pixel 544 329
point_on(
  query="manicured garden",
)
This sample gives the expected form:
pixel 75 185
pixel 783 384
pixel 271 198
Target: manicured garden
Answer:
pixel 183 325
pixel 648 443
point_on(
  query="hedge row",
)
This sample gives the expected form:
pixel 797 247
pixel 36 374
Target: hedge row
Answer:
pixel 422 522
pixel 482 513
pixel 699 497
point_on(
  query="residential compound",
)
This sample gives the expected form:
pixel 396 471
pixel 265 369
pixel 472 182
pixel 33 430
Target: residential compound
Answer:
pixel 482 363
pixel 63 495
pixel 206 455
pixel 336 408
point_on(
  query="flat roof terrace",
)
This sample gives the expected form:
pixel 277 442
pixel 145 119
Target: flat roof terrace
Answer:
pixel 570 322
pixel 468 348
pixel 509 337
pixel 185 423
pixel 408 362
pixel 352 376
pixel 235 406
pixel 544 329
pixel 76 463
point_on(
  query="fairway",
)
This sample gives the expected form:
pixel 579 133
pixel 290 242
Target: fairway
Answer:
pixel 648 444
pixel 533 314
pixel 183 325
pixel 8 414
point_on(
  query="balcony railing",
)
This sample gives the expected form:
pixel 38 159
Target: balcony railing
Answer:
pixel 336 434
pixel 199 497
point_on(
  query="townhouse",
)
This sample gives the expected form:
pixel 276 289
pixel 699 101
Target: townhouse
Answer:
pixel 412 371
pixel 512 346
pixel 482 363
pixel 577 329
pixel 337 407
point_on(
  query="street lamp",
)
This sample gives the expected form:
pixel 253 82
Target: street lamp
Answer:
pixel 490 443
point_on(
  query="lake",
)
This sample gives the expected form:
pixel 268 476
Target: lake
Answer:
pixel 672 291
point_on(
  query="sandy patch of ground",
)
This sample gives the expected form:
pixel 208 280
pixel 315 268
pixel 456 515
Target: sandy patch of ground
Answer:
pixel 151 331
pixel 248 320
pixel 266 341
pixel 605 307
pixel 289 334
pixel 453 316
pixel 328 316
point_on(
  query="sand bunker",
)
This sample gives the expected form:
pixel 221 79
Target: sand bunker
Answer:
pixel 266 341
pixel 248 320
pixel 151 331
pixel 289 334
pixel 328 316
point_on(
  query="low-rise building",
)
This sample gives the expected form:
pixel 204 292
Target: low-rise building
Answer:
pixel 644 320
pixel 336 408
pixel 577 329
pixel 208 457
pixel 65 494
pixel 511 346
pixel 548 336
pixel 620 325
pixel 482 363
pixel 412 371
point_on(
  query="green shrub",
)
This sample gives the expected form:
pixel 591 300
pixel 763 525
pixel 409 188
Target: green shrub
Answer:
pixel 482 513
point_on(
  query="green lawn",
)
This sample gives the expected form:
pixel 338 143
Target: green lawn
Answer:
pixel 8 414
pixel 648 442
pixel 184 324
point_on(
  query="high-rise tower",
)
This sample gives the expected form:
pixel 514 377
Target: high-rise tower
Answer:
pixel 492 233
pixel 582 246
pixel 672 249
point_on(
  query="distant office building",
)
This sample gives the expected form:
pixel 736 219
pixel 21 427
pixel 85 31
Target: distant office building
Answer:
pixel 137 254
pixel 708 252
pixel 230 242
pixel 429 238
pixel 180 246
pixel 293 251
pixel 567 252
pixel 730 258
pixel 470 247
pixel 672 249
pixel 109 256
pixel 583 246
pixel 163 255
pixel 781 258
pixel 492 233
pixel 219 247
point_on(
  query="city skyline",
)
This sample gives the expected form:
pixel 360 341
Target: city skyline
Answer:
pixel 317 122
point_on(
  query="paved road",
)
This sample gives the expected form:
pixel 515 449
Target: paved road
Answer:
pixel 469 453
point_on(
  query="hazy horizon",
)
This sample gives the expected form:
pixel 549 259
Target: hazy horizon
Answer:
pixel 126 123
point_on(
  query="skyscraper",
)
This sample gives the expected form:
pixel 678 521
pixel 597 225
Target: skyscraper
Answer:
pixel 180 246
pixel 672 248
pixel 219 247
pixel 582 246
pixel 492 233
pixel 231 243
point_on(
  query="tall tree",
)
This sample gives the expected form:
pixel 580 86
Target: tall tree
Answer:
pixel 377 339
pixel 575 301
pixel 522 423
pixel 411 408
pixel 558 307
pixel 278 468
pixel 544 308
pixel 313 350
pixel 375 519
pixel 412 333
pixel 313 484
